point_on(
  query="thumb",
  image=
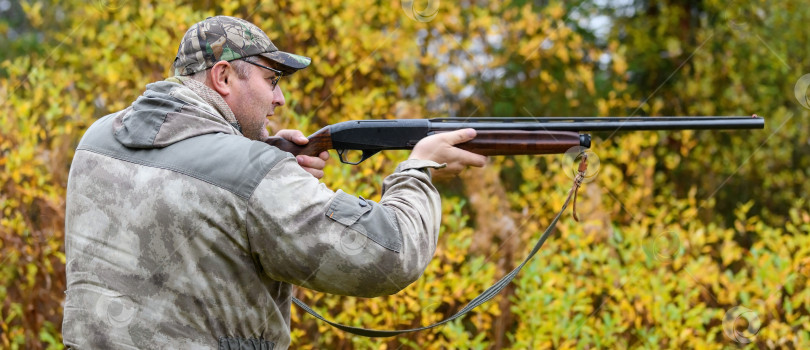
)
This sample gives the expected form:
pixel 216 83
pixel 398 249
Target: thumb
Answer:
pixel 300 138
pixel 460 136
pixel 293 135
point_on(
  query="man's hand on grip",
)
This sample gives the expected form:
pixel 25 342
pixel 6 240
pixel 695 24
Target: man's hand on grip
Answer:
pixel 313 165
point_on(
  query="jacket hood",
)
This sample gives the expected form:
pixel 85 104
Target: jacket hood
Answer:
pixel 166 113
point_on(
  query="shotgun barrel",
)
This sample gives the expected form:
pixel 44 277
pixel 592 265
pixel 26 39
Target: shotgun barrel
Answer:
pixel 581 124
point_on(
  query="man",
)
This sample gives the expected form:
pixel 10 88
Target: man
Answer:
pixel 184 231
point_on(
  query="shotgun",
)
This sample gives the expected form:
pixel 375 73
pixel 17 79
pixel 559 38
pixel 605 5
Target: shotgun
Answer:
pixel 495 136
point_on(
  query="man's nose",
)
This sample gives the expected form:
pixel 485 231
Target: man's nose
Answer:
pixel 278 96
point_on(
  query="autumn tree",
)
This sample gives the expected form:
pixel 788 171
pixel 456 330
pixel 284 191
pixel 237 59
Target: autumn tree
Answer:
pixel 682 231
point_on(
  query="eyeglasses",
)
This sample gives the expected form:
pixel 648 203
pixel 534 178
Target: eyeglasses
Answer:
pixel 278 72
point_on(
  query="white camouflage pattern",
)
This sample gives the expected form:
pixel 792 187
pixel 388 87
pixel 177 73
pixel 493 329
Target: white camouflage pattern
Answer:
pixel 183 234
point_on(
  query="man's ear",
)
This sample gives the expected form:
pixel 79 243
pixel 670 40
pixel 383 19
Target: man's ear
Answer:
pixel 222 74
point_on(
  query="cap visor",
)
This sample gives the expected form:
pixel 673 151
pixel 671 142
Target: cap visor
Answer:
pixel 289 63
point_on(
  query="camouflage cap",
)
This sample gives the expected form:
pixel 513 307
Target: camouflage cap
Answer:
pixel 227 38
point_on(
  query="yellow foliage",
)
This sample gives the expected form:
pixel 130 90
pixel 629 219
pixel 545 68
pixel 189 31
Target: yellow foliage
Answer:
pixel 666 248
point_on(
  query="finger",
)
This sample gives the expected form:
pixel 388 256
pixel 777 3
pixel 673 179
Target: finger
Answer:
pixel 293 135
pixel 310 162
pixel 451 170
pixel 324 155
pixel 459 136
pixel 318 174
pixel 466 158
pixel 475 160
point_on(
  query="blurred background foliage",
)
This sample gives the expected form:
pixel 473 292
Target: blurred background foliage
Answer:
pixel 680 228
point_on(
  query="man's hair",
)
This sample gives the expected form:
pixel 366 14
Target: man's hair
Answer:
pixel 242 69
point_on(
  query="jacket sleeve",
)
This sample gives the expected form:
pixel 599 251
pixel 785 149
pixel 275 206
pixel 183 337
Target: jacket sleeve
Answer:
pixel 303 233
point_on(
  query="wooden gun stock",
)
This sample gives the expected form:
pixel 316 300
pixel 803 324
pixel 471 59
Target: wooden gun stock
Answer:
pixel 516 142
pixel 318 142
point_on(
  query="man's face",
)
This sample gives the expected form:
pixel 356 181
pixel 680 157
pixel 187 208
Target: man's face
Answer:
pixel 255 100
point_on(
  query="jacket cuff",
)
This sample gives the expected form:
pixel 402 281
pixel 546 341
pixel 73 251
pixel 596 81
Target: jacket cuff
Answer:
pixel 418 164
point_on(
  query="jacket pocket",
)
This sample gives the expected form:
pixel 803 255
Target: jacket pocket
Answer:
pixel 372 220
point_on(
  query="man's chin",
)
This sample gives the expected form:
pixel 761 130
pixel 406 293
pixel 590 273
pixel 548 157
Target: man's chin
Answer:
pixel 257 136
pixel 262 136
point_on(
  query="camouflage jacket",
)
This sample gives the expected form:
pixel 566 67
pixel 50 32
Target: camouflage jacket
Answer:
pixel 181 233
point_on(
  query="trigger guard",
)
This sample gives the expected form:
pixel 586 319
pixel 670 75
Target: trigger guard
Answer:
pixel 366 155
